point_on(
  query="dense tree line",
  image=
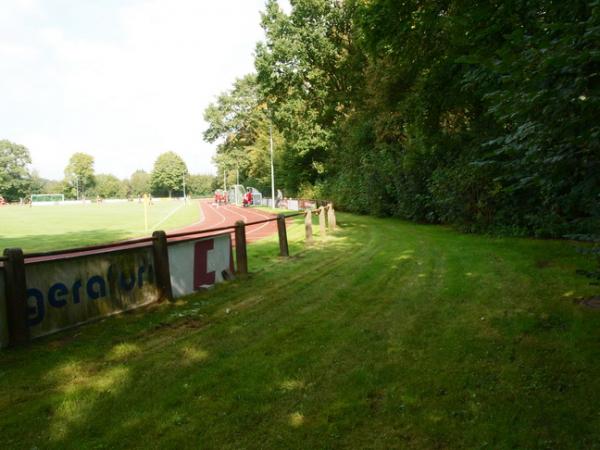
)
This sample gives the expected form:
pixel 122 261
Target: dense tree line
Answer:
pixel 18 182
pixel 479 114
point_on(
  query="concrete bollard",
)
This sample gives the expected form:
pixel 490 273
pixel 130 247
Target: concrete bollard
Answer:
pixel 322 224
pixel 331 217
pixel 308 226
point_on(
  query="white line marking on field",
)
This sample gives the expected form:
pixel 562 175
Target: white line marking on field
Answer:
pixel 202 216
pixel 168 215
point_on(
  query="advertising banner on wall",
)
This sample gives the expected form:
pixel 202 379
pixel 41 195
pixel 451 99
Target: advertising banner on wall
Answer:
pixel 199 263
pixel 67 292
pixel 62 293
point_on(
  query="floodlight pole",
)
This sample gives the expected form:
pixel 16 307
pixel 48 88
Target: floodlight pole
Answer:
pixel 272 166
pixel 77 186
pixel 237 170
pixel 184 196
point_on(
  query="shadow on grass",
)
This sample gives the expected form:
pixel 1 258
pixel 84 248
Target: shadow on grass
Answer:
pixel 89 371
pixel 337 346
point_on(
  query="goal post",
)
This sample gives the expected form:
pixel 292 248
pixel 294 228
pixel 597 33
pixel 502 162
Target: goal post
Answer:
pixel 236 194
pixel 47 198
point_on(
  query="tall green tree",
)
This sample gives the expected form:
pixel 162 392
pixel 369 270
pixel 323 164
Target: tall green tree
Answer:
pixel 477 114
pixel 54 187
pixel 37 183
pixel 307 68
pixel 15 179
pixel 201 185
pixel 79 175
pixel 168 173
pixel 140 183
pixel 239 123
pixel 109 186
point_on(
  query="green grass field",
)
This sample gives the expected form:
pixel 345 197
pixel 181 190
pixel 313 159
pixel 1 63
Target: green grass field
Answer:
pixel 42 228
pixel 386 335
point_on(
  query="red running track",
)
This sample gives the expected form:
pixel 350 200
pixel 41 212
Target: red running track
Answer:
pixel 214 216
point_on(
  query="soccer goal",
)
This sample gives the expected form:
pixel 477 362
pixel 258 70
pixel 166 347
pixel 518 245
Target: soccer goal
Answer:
pixel 46 199
pixel 236 194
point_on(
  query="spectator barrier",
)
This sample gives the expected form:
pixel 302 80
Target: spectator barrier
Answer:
pixel 46 292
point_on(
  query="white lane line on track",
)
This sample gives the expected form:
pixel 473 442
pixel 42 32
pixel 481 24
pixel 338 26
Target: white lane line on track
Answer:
pixel 167 216
pixel 223 218
pixel 253 230
pixel 261 214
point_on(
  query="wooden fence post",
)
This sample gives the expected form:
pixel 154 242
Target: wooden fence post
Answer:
pixel 161 264
pixel 308 226
pixel 16 296
pixel 283 242
pixel 322 225
pixel 240 247
pixel 331 216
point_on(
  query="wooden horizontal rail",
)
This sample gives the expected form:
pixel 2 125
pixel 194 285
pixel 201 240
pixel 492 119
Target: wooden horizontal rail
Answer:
pixel 90 248
pixel 132 243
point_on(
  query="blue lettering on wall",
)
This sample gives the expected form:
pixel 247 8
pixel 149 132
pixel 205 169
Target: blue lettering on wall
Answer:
pixel 77 292
pixel 95 287
pixel 141 271
pixel 98 281
pixel 127 283
pixel 35 314
pixel 57 295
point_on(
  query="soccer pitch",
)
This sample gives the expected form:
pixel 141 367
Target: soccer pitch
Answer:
pixel 44 228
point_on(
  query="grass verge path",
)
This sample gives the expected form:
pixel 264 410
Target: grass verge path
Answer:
pixel 388 335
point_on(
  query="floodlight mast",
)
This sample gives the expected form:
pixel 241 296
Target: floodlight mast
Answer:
pixel 237 170
pixel 184 196
pixel 272 167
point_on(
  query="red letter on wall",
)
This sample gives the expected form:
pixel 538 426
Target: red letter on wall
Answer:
pixel 201 276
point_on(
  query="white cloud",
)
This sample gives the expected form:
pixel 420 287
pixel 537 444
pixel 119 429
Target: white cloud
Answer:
pixel 126 88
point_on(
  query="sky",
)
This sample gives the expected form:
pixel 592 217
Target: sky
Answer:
pixel 122 80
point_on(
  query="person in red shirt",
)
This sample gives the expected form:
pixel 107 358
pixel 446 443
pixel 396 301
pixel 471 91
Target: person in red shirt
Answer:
pixel 248 198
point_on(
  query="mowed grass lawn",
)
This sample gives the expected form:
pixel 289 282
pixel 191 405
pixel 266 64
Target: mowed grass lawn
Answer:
pixel 42 228
pixel 386 335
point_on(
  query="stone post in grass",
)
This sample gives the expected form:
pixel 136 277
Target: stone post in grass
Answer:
pixel 331 217
pixel 322 223
pixel 308 226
